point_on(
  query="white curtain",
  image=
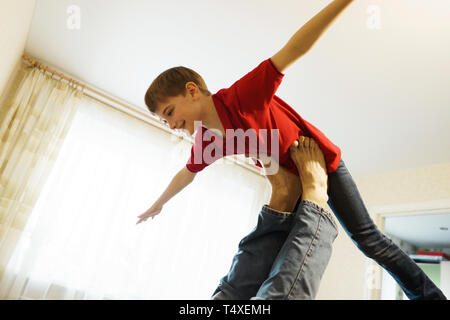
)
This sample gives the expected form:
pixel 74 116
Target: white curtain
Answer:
pixel 35 116
pixel 82 241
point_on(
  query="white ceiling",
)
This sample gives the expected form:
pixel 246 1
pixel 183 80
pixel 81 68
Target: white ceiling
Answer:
pixel 432 231
pixel 381 95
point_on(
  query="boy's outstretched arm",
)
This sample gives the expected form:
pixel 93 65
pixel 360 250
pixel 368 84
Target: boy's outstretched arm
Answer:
pixel 303 40
pixel 183 178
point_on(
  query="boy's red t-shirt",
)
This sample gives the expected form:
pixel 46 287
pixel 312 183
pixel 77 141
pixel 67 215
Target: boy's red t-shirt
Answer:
pixel 251 103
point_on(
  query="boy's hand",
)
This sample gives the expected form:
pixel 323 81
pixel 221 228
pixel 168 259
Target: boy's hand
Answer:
pixel 152 212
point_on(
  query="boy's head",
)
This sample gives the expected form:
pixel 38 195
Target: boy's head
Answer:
pixel 174 96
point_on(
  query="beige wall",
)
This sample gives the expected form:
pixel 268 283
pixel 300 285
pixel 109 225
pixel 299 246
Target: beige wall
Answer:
pixel 345 276
pixel 15 20
pixel 416 185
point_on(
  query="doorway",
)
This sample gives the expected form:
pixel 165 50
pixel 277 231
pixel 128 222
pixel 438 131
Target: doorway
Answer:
pixel 415 228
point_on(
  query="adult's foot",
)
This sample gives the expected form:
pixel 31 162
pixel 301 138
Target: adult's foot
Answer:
pixel 311 167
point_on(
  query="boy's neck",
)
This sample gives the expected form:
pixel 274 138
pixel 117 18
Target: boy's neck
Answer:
pixel 210 118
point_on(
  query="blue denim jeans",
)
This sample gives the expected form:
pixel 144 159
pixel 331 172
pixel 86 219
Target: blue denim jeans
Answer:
pixel 255 266
pixel 348 207
pixel 284 257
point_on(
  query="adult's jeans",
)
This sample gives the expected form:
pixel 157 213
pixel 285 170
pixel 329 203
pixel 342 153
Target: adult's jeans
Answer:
pixel 284 257
pixel 348 207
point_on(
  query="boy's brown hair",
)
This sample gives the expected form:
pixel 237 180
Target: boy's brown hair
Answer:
pixel 172 83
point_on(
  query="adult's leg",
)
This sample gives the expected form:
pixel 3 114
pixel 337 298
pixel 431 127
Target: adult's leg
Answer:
pixel 349 208
pixel 257 251
pixel 302 260
pixel 255 256
pixel 286 190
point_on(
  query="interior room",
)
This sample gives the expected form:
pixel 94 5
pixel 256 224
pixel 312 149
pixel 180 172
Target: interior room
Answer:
pixel 81 155
pixel 419 233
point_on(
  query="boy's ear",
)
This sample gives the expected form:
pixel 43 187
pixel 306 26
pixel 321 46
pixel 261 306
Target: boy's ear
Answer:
pixel 191 88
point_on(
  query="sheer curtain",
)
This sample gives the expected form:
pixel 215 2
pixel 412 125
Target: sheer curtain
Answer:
pixel 82 241
pixel 34 119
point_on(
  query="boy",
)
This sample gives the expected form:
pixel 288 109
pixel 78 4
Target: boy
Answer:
pixel 180 97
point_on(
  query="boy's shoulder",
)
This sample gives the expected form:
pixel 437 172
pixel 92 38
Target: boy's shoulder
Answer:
pixel 254 90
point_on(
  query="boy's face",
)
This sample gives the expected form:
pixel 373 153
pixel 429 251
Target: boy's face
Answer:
pixel 180 112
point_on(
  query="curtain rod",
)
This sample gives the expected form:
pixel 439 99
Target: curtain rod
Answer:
pixel 135 112
pixel 128 109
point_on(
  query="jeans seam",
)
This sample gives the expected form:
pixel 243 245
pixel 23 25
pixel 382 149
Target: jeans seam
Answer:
pixel 322 211
pixel 266 209
pixel 308 253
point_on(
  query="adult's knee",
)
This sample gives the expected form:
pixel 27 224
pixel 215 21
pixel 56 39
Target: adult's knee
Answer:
pixel 375 245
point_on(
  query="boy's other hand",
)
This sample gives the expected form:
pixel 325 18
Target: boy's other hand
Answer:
pixel 152 212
